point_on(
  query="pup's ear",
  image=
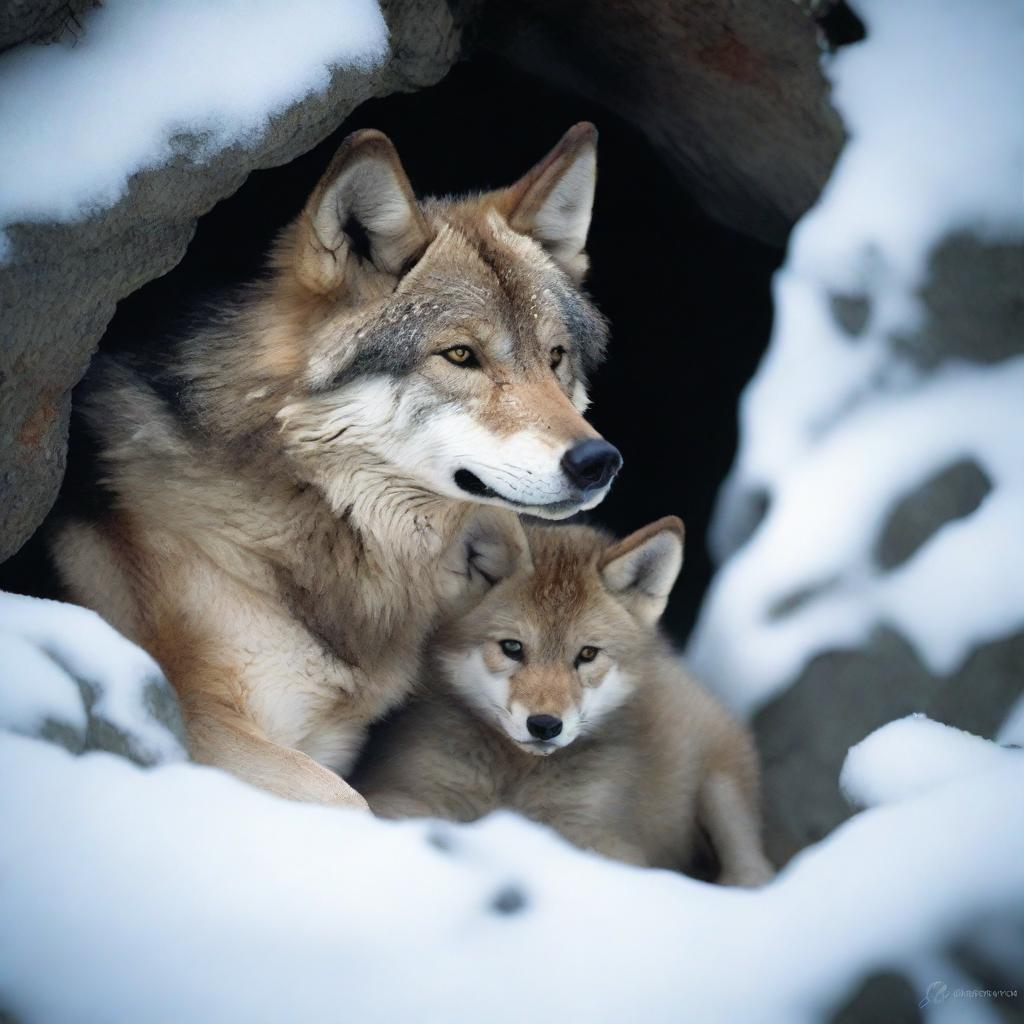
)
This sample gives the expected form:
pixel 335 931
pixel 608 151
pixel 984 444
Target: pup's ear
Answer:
pixel 553 201
pixel 361 217
pixel 641 569
pixel 490 547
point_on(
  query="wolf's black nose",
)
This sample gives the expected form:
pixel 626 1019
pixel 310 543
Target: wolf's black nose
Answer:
pixel 544 727
pixel 592 463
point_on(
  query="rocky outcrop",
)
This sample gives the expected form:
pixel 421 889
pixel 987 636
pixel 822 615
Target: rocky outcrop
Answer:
pixel 59 292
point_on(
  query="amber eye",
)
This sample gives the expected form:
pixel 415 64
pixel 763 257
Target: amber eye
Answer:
pixel 557 355
pixel 511 649
pixel 460 355
pixel 586 654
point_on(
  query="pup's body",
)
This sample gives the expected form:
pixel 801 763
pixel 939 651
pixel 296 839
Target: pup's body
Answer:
pixel 288 499
pixel 643 758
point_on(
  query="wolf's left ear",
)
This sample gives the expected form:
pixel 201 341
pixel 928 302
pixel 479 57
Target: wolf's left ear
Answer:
pixel 361 218
pixel 553 201
pixel 641 569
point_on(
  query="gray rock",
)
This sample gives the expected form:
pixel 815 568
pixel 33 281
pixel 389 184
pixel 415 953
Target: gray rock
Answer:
pixel 731 93
pixel 975 297
pixel 58 293
pixel 840 698
pixel 953 493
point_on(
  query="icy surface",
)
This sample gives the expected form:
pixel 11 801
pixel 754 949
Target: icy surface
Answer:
pixel 835 429
pixel 63 664
pixel 177 893
pixel 77 121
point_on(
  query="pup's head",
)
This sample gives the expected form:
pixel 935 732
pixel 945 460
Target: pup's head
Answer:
pixel 548 653
pixel 444 344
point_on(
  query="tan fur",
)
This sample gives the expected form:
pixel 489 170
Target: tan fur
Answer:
pixel 641 783
pixel 269 541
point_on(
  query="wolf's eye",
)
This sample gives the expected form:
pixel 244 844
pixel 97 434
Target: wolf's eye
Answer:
pixel 557 355
pixel 460 355
pixel 511 649
pixel 587 654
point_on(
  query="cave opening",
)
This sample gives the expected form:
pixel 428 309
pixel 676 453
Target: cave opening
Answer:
pixel 689 300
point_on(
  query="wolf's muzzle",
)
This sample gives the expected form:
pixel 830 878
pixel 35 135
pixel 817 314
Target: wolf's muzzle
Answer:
pixel 591 464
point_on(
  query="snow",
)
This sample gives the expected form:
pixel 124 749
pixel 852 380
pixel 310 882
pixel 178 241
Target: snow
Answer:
pixel 63 664
pixel 914 754
pixel 76 121
pixel 34 690
pixel 836 429
pixel 177 893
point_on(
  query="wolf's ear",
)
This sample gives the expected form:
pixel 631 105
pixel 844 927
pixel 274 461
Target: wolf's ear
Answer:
pixel 490 547
pixel 641 569
pixel 361 216
pixel 553 201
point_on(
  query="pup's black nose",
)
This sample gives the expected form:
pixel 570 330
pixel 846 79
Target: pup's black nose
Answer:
pixel 591 464
pixel 544 727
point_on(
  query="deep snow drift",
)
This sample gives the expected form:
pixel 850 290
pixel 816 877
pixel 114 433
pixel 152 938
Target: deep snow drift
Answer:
pixel 176 893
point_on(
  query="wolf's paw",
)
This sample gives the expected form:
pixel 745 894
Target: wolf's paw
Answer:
pixel 748 876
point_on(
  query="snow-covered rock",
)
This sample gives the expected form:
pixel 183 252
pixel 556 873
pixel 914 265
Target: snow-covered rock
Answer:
pixel 67 676
pixel 872 558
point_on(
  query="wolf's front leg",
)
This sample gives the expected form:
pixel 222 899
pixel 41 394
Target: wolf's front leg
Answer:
pixel 223 740
pixel 733 825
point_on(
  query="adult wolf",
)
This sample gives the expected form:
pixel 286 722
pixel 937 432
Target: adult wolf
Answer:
pixel 289 497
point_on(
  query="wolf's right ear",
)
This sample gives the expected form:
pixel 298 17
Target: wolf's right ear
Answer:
pixel 362 215
pixel 553 201
pixel 641 569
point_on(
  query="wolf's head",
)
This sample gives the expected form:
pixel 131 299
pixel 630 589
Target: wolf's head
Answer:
pixel 553 648
pixel 443 344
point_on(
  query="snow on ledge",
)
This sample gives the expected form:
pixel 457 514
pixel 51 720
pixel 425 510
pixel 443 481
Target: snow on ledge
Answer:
pixel 77 121
pixel 178 893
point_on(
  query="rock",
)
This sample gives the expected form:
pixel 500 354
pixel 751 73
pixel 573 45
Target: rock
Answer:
pixel 59 292
pixel 841 697
pixel 974 312
pixel 732 94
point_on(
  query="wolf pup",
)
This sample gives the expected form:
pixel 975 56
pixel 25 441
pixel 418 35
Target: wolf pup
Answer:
pixel 557 697
pixel 280 500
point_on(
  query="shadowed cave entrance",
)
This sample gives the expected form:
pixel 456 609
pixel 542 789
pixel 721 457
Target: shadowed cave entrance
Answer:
pixel 689 300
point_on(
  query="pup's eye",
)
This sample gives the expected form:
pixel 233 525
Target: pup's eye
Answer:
pixel 512 649
pixel 587 654
pixel 460 355
pixel 557 355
